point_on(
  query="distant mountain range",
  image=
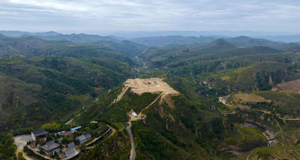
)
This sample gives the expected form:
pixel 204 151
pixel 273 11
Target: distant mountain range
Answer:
pixel 274 36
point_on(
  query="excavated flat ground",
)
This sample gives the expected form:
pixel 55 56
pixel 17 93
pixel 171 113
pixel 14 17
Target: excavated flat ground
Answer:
pixel 152 85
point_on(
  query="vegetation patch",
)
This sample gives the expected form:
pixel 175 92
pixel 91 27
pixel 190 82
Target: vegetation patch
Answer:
pixel 244 98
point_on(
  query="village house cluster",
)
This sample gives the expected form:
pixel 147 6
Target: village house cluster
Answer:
pixel 66 144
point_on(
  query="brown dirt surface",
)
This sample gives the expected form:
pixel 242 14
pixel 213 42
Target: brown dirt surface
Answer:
pixel 151 85
pixel 168 99
pixel 225 78
pixel 289 87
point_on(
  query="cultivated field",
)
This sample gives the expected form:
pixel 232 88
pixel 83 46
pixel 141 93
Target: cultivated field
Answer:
pixel 290 87
pixel 248 98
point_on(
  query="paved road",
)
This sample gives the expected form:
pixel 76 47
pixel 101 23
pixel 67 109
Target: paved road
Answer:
pixel 132 152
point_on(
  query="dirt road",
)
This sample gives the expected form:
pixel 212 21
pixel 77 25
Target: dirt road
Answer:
pixel 21 142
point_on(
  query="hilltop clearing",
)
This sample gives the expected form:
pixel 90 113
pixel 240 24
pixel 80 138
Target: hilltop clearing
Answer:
pixel 153 85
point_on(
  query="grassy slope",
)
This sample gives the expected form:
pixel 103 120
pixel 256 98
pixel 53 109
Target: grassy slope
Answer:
pixel 238 69
pixel 53 86
pixel 194 128
pixel 166 133
pixel 277 152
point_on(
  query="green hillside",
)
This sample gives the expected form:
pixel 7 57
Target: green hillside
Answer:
pixel 191 130
pixel 244 41
pixel 31 46
pixel 169 41
pixel 76 38
pixel 126 47
pixel 199 126
pixel 42 89
pixel 54 81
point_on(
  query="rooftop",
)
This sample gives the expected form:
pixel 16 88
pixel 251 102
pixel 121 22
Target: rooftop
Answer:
pixel 50 146
pixel 60 139
pixel 88 136
pixel 75 128
pixel 81 138
pixel 70 145
pixel 70 150
pixel 134 114
pixel 39 132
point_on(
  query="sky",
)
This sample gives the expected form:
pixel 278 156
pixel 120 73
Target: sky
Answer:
pixel 91 16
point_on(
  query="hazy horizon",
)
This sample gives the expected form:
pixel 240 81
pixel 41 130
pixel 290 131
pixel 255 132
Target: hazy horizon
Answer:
pixel 150 16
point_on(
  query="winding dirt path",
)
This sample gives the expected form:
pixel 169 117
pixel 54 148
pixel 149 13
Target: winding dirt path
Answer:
pixel 140 114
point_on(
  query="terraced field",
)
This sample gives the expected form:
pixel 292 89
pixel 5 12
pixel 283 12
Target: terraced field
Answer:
pixel 290 87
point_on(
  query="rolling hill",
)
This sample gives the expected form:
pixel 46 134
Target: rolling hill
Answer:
pixel 173 41
pixel 46 81
pixel 32 46
pixel 48 78
pixel 76 38
pixel 244 41
pixel 50 86
pixel 126 47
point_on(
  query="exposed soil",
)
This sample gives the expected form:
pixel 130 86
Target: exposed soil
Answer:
pixel 152 85
pixel 290 87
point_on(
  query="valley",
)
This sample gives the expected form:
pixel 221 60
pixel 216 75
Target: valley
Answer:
pixel 162 98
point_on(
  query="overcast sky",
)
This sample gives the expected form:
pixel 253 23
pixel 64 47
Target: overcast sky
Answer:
pixel 90 16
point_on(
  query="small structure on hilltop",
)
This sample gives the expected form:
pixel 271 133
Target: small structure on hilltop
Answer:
pixel 42 133
pixel 223 100
pixel 134 114
pixel 51 147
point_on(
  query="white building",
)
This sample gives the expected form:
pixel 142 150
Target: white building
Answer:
pixel 134 114
pixel 39 133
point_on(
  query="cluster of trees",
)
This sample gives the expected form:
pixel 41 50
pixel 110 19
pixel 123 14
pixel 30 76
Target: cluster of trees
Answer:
pixel 54 84
pixel 266 79
pixel 116 146
pixel 7 147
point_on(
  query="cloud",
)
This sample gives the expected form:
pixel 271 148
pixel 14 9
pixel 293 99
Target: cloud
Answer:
pixel 130 15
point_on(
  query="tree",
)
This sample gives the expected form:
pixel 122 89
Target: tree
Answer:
pixel 83 146
pixel 7 147
pixel 20 156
